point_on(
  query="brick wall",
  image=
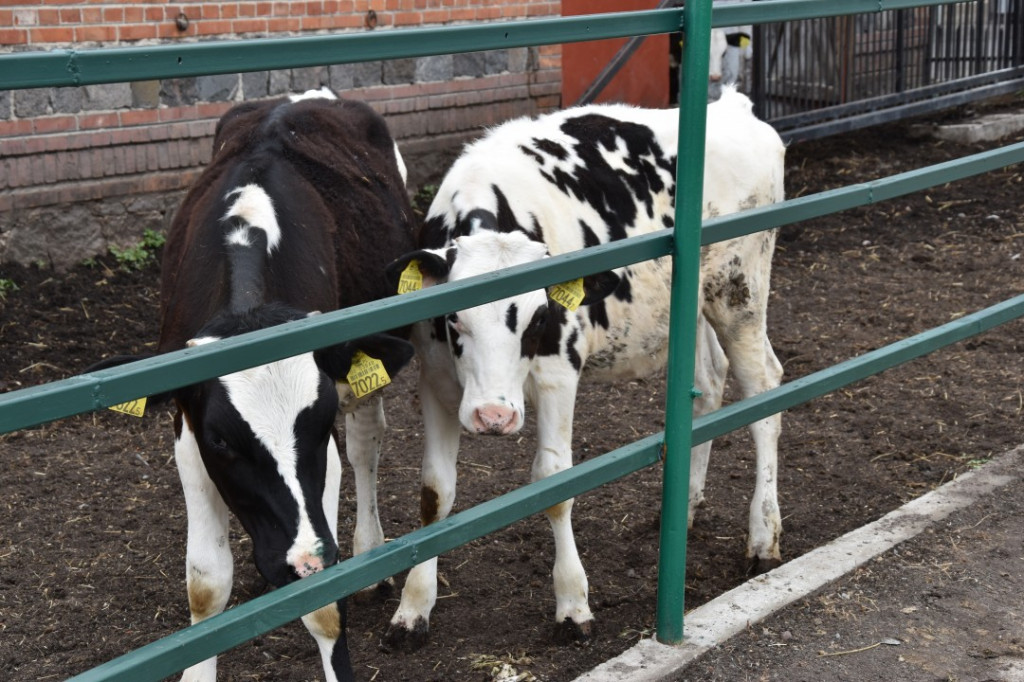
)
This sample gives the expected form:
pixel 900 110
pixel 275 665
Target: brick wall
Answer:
pixel 85 167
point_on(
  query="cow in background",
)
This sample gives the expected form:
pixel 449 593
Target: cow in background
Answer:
pixel 300 209
pixel 536 188
pixel 730 58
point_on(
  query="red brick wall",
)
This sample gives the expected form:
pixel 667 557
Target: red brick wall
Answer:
pixel 60 147
pixel 44 23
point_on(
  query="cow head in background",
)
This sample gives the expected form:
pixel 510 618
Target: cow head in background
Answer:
pixel 718 46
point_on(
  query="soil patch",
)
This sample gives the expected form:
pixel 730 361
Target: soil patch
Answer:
pixel 92 548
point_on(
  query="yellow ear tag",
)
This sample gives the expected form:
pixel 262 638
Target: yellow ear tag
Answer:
pixel 135 408
pixel 366 374
pixel 568 294
pixel 744 42
pixel 411 278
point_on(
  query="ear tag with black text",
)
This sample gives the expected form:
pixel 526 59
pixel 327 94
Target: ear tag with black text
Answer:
pixel 366 374
pixel 135 408
pixel 569 295
pixel 411 278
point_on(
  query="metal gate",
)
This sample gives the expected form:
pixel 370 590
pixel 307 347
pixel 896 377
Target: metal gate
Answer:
pixel 101 389
pixel 817 77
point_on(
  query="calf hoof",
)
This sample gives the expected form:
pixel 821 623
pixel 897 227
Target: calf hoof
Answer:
pixel 571 632
pixel 380 592
pixel 757 565
pixel 402 639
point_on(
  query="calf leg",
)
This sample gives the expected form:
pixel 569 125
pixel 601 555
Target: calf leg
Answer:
pixel 208 563
pixel 364 433
pixel 710 368
pixel 757 370
pixel 439 400
pixel 327 624
pixel 555 397
pixel 765 519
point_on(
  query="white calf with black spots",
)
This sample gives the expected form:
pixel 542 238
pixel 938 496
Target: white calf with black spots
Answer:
pixel 577 178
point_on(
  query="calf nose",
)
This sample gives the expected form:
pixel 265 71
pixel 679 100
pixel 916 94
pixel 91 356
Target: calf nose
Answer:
pixel 715 77
pixel 496 420
pixel 308 558
pixel 307 564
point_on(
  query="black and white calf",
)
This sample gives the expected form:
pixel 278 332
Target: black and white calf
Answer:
pixel 300 210
pixel 577 178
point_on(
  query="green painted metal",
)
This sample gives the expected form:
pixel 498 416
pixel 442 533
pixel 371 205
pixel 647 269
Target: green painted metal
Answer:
pixel 111 65
pixel 861 194
pixel 801 390
pixel 31 406
pixel 789 10
pixel 78 394
pixel 251 619
pixel 682 325
pixel 60 68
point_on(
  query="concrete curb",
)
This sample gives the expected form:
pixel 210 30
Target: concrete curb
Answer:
pixel 981 129
pixel 721 618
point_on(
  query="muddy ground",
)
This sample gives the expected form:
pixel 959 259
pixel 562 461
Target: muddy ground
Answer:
pixel 92 519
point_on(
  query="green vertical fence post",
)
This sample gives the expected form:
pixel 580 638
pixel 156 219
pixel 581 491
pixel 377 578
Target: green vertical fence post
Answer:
pixel 693 88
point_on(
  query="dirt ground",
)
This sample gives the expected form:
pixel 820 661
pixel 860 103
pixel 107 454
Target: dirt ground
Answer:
pixel 93 523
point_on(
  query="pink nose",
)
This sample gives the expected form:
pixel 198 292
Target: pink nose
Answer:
pixel 494 419
pixel 308 564
pixel 715 77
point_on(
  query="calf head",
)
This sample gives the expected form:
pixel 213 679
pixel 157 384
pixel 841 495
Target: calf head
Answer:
pixel 719 45
pixel 493 346
pixel 264 435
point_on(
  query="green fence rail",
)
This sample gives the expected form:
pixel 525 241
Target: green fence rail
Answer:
pixel 113 65
pixel 32 406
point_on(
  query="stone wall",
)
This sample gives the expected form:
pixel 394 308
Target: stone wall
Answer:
pixel 84 168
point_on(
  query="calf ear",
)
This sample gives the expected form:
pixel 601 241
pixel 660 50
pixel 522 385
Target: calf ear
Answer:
pixel 336 361
pixel 599 286
pixel 432 267
pixel 117 361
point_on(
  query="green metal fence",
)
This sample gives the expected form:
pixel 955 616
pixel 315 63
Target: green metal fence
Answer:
pixel 28 407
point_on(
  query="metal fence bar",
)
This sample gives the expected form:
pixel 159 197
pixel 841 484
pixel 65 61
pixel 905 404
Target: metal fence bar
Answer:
pixel 1009 78
pixel 60 68
pixel 914 108
pixel 31 406
pixel 39 404
pixel 860 194
pixel 239 624
pixel 104 388
pixel 799 391
pixel 955 47
pixel 112 65
pixel 616 63
pixel 185 647
pixel 770 11
pixel 682 338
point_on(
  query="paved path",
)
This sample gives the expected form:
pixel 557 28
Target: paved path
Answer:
pixel 932 591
